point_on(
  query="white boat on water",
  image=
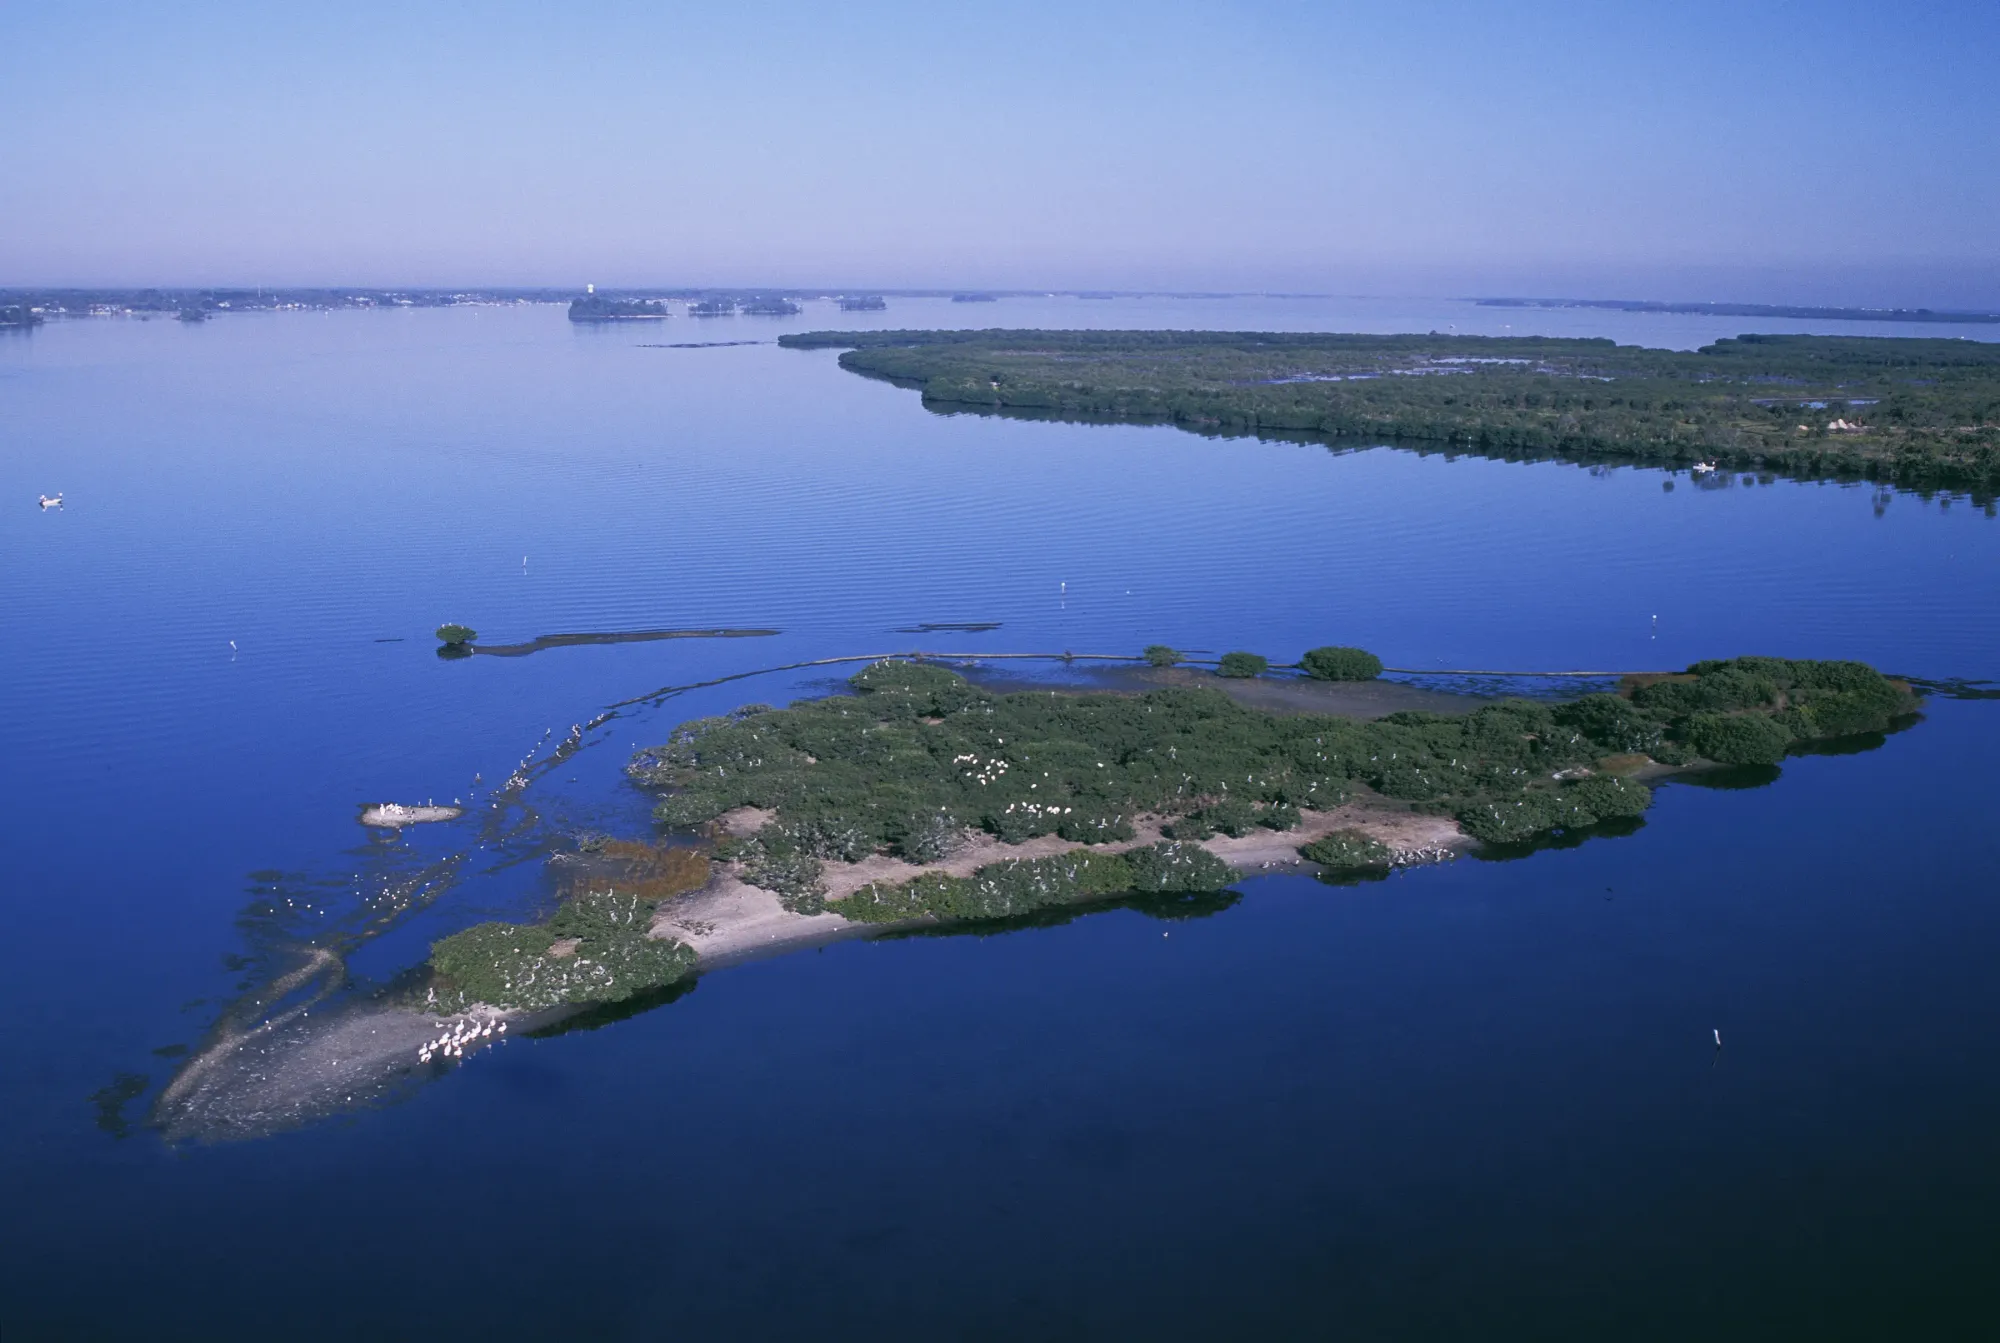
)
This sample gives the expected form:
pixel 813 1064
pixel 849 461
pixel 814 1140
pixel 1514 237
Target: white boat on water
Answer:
pixel 48 502
pixel 1702 468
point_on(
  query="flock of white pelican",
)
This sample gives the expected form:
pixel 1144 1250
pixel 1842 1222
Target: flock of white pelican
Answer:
pixel 453 1042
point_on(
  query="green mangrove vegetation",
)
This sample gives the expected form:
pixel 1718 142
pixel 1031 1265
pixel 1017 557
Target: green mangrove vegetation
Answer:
pixel 1754 711
pixel 919 755
pixel 452 634
pixel 1341 664
pixel 1243 666
pixel 595 948
pixel 1349 850
pixel 1020 886
pixel 1917 412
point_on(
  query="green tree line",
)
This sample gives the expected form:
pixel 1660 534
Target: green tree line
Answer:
pixel 1917 412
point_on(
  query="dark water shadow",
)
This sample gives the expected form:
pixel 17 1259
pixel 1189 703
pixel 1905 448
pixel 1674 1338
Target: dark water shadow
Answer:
pixel 1574 837
pixel 111 1100
pixel 1954 688
pixel 607 637
pixel 598 1015
pixel 703 344
pixel 1915 480
pixel 1174 907
pixel 1731 778
pixel 1859 742
pixel 1353 876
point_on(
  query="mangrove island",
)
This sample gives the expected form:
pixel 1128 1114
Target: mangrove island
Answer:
pixel 597 308
pixel 923 798
pixel 1912 412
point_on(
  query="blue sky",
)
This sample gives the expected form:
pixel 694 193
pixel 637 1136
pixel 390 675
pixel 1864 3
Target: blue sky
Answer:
pixel 1749 151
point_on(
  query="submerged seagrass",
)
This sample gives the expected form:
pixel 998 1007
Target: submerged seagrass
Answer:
pixel 1916 412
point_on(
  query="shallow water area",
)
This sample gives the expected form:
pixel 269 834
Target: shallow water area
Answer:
pixel 1476 1099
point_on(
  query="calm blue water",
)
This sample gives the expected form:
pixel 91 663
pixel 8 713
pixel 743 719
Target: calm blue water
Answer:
pixel 1473 1101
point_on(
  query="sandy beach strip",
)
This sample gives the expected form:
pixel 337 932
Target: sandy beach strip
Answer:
pixel 729 921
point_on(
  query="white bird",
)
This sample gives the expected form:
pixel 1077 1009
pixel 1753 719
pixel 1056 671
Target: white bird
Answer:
pixel 232 645
pixel 1718 1039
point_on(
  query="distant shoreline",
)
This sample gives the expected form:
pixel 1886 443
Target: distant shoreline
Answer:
pixel 1910 411
pixel 1808 314
pixel 75 301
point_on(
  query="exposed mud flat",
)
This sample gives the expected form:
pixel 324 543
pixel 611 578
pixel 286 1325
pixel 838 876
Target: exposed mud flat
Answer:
pixel 295 1070
pixel 729 921
pixel 261 1074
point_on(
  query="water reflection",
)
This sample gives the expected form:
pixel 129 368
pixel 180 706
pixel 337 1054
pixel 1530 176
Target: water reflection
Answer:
pixel 1595 461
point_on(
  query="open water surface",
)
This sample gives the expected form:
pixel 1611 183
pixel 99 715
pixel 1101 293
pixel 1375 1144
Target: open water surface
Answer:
pixel 1474 1101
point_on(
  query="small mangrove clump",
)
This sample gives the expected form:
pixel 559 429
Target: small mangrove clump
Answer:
pixel 1341 664
pixel 1160 655
pixel 453 635
pixel 1753 710
pixel 1348 850
pixel 1243 665
pixel 594 949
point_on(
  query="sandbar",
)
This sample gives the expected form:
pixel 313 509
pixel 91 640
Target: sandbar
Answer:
pixel 396 815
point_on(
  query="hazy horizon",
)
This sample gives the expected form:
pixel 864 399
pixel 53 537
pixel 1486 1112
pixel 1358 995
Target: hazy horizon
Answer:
pixel 1687 153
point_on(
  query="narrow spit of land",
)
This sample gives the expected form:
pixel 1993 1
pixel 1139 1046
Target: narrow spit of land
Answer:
pixel 924 798
pixel 1915 412
pixel 545 641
